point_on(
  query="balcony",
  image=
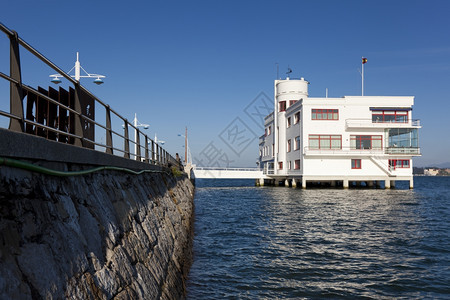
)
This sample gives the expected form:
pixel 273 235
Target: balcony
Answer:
pixel 368 123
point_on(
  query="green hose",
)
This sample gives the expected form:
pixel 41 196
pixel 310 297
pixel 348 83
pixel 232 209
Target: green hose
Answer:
pixel 30 167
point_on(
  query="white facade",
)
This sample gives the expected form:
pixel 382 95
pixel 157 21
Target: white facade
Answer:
pixel 353 138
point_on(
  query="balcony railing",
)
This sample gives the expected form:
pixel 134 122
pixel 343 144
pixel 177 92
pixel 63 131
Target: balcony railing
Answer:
pixel 361 152
pixel 403 150
pixel 369 123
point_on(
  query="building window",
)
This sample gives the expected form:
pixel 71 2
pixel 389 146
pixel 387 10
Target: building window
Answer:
pixel 288 122
pixel 297 164
pixel 325 114
pixel 297 117
pixel 398 163
pixel 365 141
pixel 273 150
pixel 389 116
pixel 317 141
pixel 282 106
pixel 289 145
pixel 292 102
pixel 356 164
pixel 280 165
pixel 297 143
pixel 290 165
pixel 269 131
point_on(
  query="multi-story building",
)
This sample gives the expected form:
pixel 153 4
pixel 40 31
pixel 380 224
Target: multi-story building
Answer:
pixel 338 141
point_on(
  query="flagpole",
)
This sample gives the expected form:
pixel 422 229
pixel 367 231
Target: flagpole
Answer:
pixel 362 76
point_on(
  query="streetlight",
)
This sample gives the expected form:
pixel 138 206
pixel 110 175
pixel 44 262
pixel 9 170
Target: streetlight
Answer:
pixel 137 124
pixel 187 151
pixel 78 75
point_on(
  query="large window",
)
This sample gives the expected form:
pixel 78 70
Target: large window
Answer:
pixel 389 116
pixel 297 164
pixel 403 137
pixel 292 102
pixel 282 105
pixel 365 141
pixel 325 114
pixel 297 143
pixel 399 163
pixel 322 141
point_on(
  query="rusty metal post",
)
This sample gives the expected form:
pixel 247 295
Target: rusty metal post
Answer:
pixel 15 92
pixel 146 149
pixel 138 145
pixel 109 146
pixel 127 141
pixel 153 152
pixel 77 118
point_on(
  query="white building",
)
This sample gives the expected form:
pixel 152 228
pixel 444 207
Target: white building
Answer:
pixel 338 141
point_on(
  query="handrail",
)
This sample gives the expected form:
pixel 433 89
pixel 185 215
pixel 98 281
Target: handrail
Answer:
pixel 150 152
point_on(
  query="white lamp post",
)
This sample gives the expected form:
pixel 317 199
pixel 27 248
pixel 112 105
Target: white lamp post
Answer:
pixel 137 124
pixel 77 69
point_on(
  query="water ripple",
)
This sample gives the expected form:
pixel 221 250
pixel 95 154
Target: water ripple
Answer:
pixel 269 243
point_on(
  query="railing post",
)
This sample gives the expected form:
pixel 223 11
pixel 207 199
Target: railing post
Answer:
pixel 138 145
pixel 127 141
pixel 15 93
pixel 153 152
pixel 78 118
pixel 146 149
pixel 109 146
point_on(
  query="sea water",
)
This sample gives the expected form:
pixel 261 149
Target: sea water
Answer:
pixel 279 242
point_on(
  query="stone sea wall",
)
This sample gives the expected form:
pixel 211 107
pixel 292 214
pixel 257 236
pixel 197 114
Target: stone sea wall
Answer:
pixel 105 235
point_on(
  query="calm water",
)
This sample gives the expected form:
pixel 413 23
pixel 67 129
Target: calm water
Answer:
pixel 275 242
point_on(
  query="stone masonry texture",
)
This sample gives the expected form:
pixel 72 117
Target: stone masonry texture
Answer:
pixel 105 235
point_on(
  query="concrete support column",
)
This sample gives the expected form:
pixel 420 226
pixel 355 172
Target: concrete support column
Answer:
pixel 345 183
pixel 370 183
pixel 392 183
pixel 377 184
pixel 303 183
pixel 333 183
pixel 411 183
pixel 286 182
pixel 294 183
pixel 387 184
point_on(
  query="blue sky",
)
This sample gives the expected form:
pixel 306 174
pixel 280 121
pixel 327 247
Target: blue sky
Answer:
pixel 201 63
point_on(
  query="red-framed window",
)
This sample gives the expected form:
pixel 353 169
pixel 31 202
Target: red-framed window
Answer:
pixel 282 105
pixel 399 163
pixel 356 163
pixel 289 122
pixel 292 102
pixel 323 141
pixel 366 142
pixel 288 145
pixel 325 114
pixel 297 164
pixel 390 116
pixel 280 165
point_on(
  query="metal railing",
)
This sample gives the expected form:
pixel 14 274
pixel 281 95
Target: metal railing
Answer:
pixel 67 121
pixel 353 151
pixel 378 124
